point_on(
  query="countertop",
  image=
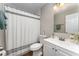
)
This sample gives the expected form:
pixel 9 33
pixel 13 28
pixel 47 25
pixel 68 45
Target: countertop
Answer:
pixel 67 44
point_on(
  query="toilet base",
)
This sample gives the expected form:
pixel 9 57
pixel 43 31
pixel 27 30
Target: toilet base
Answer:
pixel 38 52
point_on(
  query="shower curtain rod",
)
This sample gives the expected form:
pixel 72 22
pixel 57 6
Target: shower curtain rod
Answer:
pixel 22 15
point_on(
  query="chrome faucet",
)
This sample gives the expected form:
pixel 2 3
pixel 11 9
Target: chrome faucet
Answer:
pixel 53 35
pixel 43 33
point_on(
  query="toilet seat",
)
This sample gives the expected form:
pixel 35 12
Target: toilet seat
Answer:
pixel 35 46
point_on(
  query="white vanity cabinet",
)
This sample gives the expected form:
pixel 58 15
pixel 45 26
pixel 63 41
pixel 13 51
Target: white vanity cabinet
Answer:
pixel 53 50
pixel 48 51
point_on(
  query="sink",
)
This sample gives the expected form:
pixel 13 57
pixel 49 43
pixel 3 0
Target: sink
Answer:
pixel 43 36
pixel 54 38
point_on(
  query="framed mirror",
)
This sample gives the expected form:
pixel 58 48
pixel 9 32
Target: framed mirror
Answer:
pixel 67 20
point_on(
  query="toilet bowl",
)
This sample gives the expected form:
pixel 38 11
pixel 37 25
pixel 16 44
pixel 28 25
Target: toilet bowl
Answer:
pixel 37 47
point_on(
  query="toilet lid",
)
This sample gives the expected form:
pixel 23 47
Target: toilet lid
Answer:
pixel 35 46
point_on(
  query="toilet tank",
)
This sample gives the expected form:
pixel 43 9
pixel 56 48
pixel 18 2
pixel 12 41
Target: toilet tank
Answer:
pixel 41 38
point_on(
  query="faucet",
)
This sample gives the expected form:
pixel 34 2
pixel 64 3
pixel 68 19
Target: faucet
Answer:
pixel 43 33
pixel 53 35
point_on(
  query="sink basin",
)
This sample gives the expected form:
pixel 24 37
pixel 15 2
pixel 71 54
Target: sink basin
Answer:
pixel 55 37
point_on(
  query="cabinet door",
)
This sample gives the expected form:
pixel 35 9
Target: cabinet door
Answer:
pixel 60 53
pixel 49 51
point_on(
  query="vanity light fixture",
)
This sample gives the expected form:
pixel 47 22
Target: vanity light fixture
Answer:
pixel 58 6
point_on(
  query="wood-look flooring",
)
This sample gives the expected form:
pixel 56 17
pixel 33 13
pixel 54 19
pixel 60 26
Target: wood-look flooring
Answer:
pixel 28 54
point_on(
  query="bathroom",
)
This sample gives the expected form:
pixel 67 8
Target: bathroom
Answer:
pixel 39 29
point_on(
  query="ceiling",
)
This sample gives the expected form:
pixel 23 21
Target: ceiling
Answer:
pixel 33 8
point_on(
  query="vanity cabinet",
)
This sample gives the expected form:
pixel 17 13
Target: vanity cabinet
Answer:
pixel 49 51
pixel 53 50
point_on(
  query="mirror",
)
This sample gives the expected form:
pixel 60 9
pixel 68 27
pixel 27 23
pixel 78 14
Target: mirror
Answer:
pixel 66 20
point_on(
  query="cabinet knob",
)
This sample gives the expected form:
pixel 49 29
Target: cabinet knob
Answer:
pixel 55 50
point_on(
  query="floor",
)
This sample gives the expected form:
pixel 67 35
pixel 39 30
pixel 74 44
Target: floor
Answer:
pixel 28 54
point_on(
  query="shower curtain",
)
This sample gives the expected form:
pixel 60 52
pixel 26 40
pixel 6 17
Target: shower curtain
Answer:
pixel 22 31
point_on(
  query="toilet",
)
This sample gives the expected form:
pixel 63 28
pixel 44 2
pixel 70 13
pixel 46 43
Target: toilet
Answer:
pixel 37 47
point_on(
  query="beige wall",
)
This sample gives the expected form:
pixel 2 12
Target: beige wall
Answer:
pixel 47 20
pixel 60 18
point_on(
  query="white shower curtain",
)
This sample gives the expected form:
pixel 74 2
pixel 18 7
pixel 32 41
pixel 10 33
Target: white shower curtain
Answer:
pixel 21 31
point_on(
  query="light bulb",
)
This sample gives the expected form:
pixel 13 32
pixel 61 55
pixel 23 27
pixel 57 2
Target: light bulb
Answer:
pixel 55 7
pixel 61 5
